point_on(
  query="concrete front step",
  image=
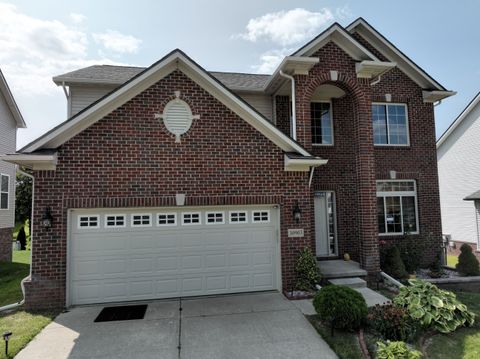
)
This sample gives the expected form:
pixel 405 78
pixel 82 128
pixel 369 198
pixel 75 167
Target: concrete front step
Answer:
pixel 371 297
pixel 331 269
pixel 353 282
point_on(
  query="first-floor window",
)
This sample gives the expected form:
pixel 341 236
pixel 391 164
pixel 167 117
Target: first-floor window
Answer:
pixel 4 190
pixel 397 207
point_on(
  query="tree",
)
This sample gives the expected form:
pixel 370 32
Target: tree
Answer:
pixel 23 200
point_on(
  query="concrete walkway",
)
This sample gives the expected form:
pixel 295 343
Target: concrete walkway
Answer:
pixel 263 325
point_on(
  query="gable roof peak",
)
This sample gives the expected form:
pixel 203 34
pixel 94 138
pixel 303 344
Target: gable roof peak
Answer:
pixel 11 103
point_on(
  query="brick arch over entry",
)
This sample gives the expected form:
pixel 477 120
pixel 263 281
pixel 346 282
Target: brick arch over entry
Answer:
pixel 360 92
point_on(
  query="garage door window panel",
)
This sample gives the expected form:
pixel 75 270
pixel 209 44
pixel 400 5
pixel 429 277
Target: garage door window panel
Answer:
pixel 115 220
pixel 89 221
pixel 238 217
pixel 142 220
pixel 215 217
pixel 261 216
pixel 191 218
pixel 166 219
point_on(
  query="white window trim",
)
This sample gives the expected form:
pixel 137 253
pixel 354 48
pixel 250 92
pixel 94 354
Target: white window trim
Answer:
pixel 388 131
pixel 261 221
pixel 167 214
pixel 399 194
pixel 8 191
pixel 141 214
pixel 331 123
pixel 115 215
pixel 192 224
pixel 88 215
pixel 214 223
pixel 238 222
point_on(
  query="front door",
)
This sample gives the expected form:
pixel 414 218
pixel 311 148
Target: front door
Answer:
pixel 325 228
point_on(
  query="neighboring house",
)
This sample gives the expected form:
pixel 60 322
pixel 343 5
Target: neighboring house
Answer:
pixel 458 151
pixel 10 120
pixel 173 181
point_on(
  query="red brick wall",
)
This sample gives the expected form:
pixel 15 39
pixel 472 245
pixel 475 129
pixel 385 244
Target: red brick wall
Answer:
pixel 6 235
pixel 354 163
pixel 129 159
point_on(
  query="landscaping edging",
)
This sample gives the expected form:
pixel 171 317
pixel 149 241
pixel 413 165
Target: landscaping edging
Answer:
pixel 467 284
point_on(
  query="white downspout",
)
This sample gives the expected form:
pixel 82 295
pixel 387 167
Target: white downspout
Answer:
pixel 294 112
pixel 14 305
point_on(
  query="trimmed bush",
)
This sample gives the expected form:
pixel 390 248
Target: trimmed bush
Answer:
pixel 341 306
pixel 396 350
pixel 306 271
pixel 393 264
pixel 433 307
pixel 467 262
pixel 392 322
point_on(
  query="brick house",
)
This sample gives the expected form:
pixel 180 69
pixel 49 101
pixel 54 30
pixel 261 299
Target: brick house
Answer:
pixel 10 120
pixel 173 181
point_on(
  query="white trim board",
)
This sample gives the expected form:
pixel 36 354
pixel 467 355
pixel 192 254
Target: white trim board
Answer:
pixel 173 61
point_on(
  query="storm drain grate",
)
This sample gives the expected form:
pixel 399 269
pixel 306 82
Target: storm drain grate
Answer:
pixel 129 312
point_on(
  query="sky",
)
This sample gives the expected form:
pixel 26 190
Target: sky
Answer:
pixel 42 39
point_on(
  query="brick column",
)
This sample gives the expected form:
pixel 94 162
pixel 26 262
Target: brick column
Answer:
pixel 366 185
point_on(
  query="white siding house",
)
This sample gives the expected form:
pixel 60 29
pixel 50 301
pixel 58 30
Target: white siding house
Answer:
pixel 10 120
pixel 458 154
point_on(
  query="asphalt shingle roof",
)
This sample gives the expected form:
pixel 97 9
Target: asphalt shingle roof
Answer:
pixel 117 75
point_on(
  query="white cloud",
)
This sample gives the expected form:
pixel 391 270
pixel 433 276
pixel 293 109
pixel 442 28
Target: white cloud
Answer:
pixel 34 50
pixel 117 42
pixel 287 27
pixel 270 60
pixel 77 18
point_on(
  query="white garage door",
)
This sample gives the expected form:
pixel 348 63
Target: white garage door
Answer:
pixel 123 255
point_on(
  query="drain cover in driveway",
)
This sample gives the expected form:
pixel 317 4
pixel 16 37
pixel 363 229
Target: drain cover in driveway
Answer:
pixel 129 312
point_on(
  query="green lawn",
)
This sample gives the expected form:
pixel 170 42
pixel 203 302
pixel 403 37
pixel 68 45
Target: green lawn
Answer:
pixel 24 325
pixel 463 343
pixel 452 260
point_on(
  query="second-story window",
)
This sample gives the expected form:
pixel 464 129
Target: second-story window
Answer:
pixel 390 124
pixel 322 129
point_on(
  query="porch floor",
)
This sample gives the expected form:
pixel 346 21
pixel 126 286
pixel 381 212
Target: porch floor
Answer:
pixel 340 269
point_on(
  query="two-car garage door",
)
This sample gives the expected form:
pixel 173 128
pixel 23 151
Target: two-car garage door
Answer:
pixel 124 254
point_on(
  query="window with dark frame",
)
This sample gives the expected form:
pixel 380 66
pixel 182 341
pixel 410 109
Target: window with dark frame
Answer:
pixel 322 128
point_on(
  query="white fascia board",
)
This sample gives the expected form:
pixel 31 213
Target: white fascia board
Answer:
pixel 434 96
pixel 343 39
pixel 83 120
pixel 393 54
pixel 293 65
pixel 238 106
pixel 34 162
pixel 474 103
pixel 302 164
pixel 371 69
pixel 176 60
pixel 65 81
pixel 11 103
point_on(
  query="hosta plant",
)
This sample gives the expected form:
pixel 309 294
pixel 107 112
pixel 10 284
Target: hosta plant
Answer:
pixel 396 350
pixel 433 307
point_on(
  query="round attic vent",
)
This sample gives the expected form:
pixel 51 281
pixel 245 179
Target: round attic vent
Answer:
pixel 177 117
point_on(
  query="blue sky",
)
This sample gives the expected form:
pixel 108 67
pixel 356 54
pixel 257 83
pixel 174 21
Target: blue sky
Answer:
pixel 41 39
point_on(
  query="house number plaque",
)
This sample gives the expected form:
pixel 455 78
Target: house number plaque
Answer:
pixel 295 233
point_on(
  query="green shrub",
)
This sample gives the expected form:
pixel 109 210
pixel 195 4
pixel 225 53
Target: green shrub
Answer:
pixel 392 322
pixel 467 262
pixel 433 307
pixel 412 251
pixel 393 264
pixel 396 350
pixel 342 306
pixel 306 271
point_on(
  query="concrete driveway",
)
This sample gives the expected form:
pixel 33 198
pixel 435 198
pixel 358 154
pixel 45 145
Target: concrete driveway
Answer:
pixel 263 325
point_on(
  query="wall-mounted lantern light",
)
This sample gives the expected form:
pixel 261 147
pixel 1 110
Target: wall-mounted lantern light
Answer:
pixel 47 219
pixel 297 213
